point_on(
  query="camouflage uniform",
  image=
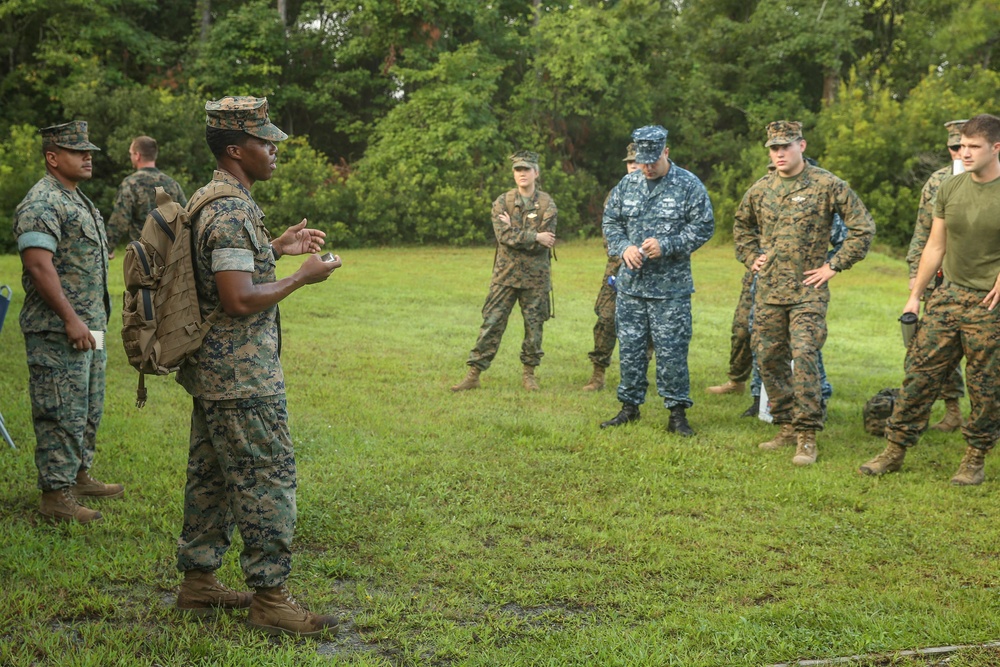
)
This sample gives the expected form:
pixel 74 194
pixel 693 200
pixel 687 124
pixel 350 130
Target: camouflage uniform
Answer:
pixel 605 336
pixel 954 323
pixel 793 228
pixel 654 301
pixel 837 237
pixel 66 385
pixel 136 197
pixel 954 387
pixel 740 350
pixel 241 462
pixel 521 273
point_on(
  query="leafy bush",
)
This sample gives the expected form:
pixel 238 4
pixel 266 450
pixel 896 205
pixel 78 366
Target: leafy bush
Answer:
pixel 20 166
pixel 306 185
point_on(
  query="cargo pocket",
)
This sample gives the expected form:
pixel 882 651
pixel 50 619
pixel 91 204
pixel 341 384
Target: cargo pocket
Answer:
pixel 259 435
pixel 45 384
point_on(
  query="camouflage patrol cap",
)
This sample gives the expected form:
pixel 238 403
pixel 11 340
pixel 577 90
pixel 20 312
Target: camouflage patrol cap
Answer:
pixel 954 128
pixel 783 132
pixel 630 153
pixel 72 135
pixel 243 113
pixel 649 143
pixel 524 159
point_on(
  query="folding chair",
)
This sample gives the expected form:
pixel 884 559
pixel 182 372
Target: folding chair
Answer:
pixel 5 293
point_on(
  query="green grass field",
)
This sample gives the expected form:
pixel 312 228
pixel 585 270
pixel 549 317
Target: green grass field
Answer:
pixel 498 527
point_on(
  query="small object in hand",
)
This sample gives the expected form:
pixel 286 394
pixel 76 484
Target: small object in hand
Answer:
pixel 327 257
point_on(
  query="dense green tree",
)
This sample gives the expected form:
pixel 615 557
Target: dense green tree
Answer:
pixel 403 110
pixel 435 161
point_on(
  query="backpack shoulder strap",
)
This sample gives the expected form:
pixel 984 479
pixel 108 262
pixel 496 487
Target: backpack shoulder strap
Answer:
pixel 510 200
pixel 211 192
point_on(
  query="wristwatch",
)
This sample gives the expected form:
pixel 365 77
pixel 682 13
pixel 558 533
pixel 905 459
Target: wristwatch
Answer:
pixel 834 267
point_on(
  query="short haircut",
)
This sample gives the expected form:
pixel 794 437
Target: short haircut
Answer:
pixel 146 148
pixel 49 146
pixel 984 125
pixel 219 139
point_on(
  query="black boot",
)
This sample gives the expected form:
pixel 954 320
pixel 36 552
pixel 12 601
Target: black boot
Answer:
pixel 628 413
pixel 679 422
pixel 754 408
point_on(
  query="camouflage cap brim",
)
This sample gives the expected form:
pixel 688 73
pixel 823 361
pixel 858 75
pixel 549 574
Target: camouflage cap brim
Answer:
pixel 77 145
pixel 72 135
pixel 268 132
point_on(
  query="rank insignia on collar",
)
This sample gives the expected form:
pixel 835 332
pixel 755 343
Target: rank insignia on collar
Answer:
pixel 798 199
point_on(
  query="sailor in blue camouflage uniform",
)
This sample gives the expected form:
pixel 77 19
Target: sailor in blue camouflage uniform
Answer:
pixel 64 251
pixel 241 462
pixel 654 220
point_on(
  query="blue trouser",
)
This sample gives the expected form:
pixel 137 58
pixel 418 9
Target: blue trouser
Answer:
pixel 667 322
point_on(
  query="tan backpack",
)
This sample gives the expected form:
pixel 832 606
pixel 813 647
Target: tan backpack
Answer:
pixel 161 319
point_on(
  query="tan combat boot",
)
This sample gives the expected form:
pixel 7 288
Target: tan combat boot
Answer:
pixel 952 417
pixel 62 505
pixel 890 460
pixel 202 594
pixel 785 438
pixel 471 380
pixel 805 448
pixel 88 486
pixel 274 611
pixel 729 387
pixel 528 379
pixel 596 382
pixel 970 470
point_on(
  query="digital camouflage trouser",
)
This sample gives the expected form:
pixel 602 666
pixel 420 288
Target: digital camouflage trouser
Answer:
pixel 740 350
pixel 826 389
pixel 952 388
pixel 786 333
pixel 605 336
pixel 668 323
pixel 499 302
pixel 954 323
pixel 241 472
pixel 67 402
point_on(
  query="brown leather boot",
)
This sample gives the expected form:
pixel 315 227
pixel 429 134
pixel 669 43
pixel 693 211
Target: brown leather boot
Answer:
pixel 890 460
pixel 274 611
pixel 62 505
pixel 785 438
pixel 470 381
pixel 805 449
pixel 88 486
pixel 952 419
pixel 528 379
pixel 729 387
pixel 596 382
pixel 970 470
pixel 202 594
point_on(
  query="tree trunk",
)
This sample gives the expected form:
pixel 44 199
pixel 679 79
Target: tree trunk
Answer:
pixel 206 19
pixel 283 11
pixel 831 82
